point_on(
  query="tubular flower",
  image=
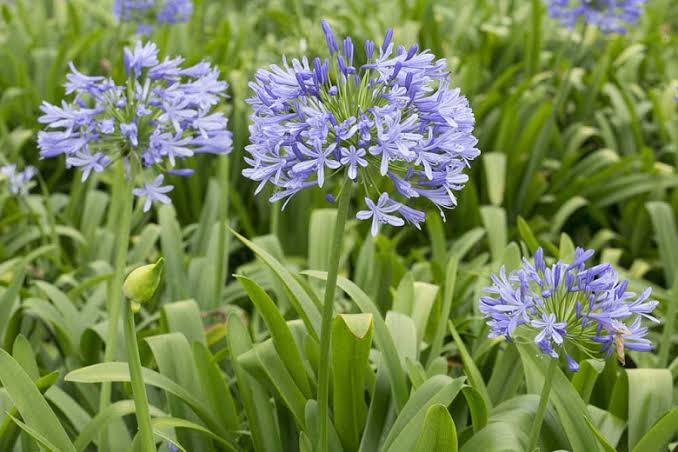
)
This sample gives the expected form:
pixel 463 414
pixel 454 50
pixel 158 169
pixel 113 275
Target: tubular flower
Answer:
pixel 608 15
pixel 18 182
pixel 145 13
pixel 394 124
pixel 568 306
pixel 162 114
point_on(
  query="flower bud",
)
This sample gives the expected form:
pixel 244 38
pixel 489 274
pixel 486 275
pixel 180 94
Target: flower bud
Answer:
pixel 142 282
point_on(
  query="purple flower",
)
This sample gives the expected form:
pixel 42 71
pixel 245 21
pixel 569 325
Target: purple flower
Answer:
pixel 608 15
pixel 162 113
pixel 568 306
pixel 146 13
pixel 380 213
pixel 19 182
pixel 88 163
pixel 154 192
pixel 394 116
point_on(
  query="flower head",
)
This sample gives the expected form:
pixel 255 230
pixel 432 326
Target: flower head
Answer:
pixel 145 13
pixel 161 114
pixel 19 182
pixel 608 15
pixel 568 306
pixel 393 121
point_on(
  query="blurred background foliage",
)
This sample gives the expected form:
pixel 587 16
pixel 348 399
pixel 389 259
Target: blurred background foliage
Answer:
pixel 579 138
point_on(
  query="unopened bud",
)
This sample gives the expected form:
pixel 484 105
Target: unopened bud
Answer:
pixel 142 282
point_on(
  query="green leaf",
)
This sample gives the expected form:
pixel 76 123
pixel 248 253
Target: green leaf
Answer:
pixel 585 378
pixel 217 393
pixel 35 411
pixel 476 405
pixel 264 363
pixel 667 239
pixel 321 228
pixel 607 427
pixel 497 437
pixel 650 393
pixel 171 353
pixel 172 422
pixel 302 302
pixel 494 220
pixel 439 389
pixel 470 369
pixel 445 309
pixel 570 407
pixel 173 252
pixel 23 352
pixel 351 343
pixel 382 336
pixel 494 164
pixel 184 317
pixel 439 433
pixel 527 235
pixel 119 372
pixel 255 400
pixel 660 433
pixel 280 333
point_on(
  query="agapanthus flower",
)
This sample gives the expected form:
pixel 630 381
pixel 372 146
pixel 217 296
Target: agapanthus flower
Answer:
pixel 18 182
pixel 395 125
pixel 611 16
pixel 146 13
pixel 161 114
pixel 568 306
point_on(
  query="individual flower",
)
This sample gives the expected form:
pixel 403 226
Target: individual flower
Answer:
pixel 161 114
pixel 146 13
pixel 611 16
pixel 18 182
pixel 568 306
pixel 395 125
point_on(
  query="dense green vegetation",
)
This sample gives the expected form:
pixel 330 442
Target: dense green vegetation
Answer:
pixel 579 138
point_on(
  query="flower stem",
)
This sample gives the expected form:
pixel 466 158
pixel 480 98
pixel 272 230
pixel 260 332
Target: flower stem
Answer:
pixel 121 208
pixel 328 308
pixel 543 403
pixel 143 412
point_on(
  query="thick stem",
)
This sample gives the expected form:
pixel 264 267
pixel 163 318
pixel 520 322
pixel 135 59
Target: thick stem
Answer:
pixel 328 309
pixel 122 209
pixel 543 403
pixel 143 412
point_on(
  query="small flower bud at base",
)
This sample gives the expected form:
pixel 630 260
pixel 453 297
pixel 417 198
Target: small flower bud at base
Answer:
pixel 143 282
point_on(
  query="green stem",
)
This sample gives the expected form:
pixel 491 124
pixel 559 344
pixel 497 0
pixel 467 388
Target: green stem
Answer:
pixel 143 413
pixel 328 308
pixel 534 44
pixel 222 262
pixel 543 403
pixel 122 209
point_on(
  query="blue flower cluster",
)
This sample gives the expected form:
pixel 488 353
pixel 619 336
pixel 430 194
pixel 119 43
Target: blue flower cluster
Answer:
pixel 608 15
pixel 568 306
pixel 147 12
pixel 18 182
pixel 393 120
pixel 163 113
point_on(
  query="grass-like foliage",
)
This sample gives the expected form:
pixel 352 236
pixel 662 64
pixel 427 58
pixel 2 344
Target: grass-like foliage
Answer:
pixel 162 302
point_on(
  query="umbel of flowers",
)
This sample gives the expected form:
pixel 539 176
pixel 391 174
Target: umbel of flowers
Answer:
pixel 611 16
pixel 161 114
pixel 146 13
pixel 569 306
pixel 18 182
pixel 394 124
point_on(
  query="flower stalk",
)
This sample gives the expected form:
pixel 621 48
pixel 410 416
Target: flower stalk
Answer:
pixel 543 403
pixel 327 311
pixel 122 207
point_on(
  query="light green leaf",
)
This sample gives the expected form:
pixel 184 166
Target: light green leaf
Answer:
pixel 439 433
